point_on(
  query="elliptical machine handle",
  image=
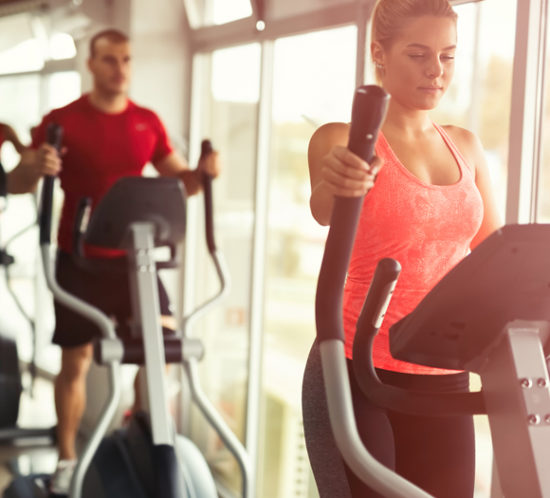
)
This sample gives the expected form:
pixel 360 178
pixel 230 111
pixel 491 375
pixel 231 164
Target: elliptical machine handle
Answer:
pixel 206 148
pixel 369 107
pixel 370 104
pixel 54 137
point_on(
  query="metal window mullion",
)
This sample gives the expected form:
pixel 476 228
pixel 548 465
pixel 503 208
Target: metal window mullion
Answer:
pixel 540 99
pixel 524 125
pixel 257 289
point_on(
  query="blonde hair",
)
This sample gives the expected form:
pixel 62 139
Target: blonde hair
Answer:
pixel 390 16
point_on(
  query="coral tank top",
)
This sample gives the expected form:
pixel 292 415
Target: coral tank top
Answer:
pixel 427 228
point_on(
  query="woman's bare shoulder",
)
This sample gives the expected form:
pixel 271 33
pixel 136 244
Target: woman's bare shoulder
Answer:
pixel 332 132
pixel 467 143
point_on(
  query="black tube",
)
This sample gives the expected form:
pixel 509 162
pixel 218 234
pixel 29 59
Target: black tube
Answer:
pixel 206 148
pixel 167 472
pixel 369 109
pixel 395 398
pixel 3 183
pixel 54 136
pixel 78 243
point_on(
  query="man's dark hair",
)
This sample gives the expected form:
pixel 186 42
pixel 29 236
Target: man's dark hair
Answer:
pixel 113 35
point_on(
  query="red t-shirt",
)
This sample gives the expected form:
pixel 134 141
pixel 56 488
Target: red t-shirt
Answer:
pixel 427 228
pixel 100 149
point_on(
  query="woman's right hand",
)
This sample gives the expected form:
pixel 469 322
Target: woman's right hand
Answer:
pixel 346 174
pixel 336 171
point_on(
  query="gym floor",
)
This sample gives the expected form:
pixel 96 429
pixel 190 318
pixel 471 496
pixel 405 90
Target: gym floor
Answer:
pixel 42 458
pixel 31 457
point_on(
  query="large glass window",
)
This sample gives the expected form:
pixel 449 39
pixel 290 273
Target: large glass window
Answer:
pixel 480 99
pixel 313 83
pixel 543 198
pixel 212 12
pixel 313 79
pixel 229 100
pixel 23 99
pixel 480 96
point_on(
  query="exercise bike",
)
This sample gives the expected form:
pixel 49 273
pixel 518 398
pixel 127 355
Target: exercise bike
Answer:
pixel 146 459
pixel 489 315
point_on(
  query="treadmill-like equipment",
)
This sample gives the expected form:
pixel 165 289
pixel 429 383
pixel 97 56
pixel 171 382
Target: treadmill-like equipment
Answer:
pixel 147 459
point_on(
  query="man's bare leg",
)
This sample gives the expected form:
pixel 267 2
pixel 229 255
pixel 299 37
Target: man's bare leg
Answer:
pixel 70 397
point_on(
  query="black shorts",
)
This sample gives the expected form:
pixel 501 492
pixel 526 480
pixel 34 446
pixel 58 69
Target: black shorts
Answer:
pixel 106 289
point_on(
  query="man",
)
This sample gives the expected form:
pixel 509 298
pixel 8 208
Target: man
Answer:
pixel 106 136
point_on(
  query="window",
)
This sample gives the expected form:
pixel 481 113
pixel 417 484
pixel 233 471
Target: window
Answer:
pixel 229 97
pixel 213 12
pixel 480 99
pixel 480 96
pixel 313 83
pixel 543 198
pixel 22 107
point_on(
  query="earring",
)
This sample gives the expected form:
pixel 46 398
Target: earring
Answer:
pixel 378 65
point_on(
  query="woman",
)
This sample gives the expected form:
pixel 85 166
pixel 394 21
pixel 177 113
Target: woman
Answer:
pixel 428 202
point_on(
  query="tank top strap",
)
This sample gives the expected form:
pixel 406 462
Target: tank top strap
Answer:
pixel 460 159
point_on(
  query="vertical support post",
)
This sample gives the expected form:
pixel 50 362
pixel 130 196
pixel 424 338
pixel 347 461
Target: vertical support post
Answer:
pixel 146 317
pixel 517 396
pixel 527 110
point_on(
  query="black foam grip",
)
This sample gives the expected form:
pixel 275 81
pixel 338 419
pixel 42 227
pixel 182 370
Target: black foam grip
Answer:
pixel 3 182
pixel 370 104
pixel 78 244
pixel 54 137
pixel 368 112
pixel 206 148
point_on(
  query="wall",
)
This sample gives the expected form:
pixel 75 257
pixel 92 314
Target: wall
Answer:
pixel 161 58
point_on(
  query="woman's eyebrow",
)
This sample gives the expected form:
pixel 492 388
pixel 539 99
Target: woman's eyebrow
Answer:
pixel 419 45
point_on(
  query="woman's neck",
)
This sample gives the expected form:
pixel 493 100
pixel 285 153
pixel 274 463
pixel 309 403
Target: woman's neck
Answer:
pixel 405 122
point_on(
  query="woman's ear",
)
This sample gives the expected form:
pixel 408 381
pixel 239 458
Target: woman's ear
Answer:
pixel 377 54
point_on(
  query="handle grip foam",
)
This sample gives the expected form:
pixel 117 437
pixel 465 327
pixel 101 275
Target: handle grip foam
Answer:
pixel 54 137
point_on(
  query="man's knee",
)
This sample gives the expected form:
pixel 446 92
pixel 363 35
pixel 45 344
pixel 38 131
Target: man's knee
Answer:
pixel 75 362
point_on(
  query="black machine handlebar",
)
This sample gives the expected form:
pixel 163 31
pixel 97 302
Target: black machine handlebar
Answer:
pixel 206 148
pixel 398 399
pixel 54 137
pixel 369 108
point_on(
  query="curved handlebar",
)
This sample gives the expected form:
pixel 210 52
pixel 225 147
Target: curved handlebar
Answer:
pixel 206 148
pixel 54 137
pixel 369 108
pixel 395 398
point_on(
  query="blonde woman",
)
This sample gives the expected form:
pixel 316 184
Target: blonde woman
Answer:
pixel 428 201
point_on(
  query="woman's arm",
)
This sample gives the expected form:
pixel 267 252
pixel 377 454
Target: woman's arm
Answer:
pixel 334 170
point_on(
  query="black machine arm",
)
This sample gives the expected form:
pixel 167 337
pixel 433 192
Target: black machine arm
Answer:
pixel 398 399
pixel 369 107
pixel 84 204
pixel 206 148
pixel 54 137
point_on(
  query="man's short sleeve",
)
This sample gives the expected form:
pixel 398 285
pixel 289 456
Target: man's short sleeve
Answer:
pixel 163 146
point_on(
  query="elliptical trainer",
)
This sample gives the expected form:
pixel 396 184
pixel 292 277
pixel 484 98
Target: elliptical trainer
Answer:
pixel 147 458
